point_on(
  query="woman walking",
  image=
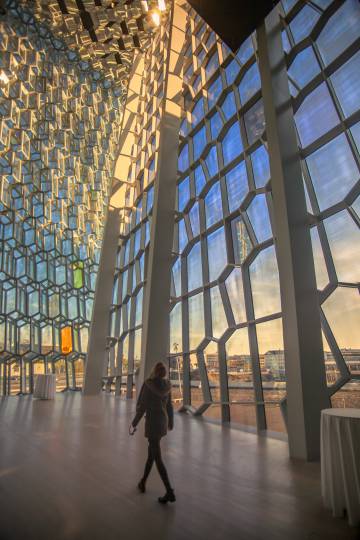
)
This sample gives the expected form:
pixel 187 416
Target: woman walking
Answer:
pixel 155 402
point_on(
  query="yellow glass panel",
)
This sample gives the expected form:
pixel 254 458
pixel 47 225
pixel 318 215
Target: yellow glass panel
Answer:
pixel 66 340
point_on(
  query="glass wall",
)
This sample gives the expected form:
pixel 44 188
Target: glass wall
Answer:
pixel 323 56
pixel 225 276
pixel 131 267
pixel 225 302
pixel 59 127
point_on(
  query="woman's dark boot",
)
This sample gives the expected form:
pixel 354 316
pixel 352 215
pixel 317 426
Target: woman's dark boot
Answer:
pixel 168 497
pixel 141 486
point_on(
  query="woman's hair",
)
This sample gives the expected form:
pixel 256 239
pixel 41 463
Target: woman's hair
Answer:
pixel 158 371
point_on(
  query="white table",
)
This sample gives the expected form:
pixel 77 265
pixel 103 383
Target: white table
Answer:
pixel 340 462
pixel 45 386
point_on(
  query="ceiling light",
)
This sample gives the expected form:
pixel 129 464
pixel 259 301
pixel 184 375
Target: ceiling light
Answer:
pixel 3 77
pixel 155 16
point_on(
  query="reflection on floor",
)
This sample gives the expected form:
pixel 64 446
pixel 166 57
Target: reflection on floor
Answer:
pixel 68 471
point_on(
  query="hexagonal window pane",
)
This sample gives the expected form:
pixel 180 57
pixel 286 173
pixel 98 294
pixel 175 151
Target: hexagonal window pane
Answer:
pixel 234 287
pixel 218 317
pixel 344 239
pixel 196 320
pixel 342 310
pixel 265 287
pixel 217 255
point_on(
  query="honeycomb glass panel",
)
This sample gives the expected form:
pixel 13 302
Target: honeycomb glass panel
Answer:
pixel 237 186
pixel 316 115
pixel 333 171
pixel 217 254
pixel 342 311
pixel 176 328
pixel 250 83
pixel 196 320
pixel 232 144
pixel 344 239
pixel 340 32
pixel 234 287
pixel 194 267
pixel 218 317
pixel 264 277
pixel 346 81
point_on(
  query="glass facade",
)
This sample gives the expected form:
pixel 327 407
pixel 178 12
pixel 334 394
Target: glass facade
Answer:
pixel 324 78
pixel 57 146
pixel 225 263
pixel 132 258
pixel 59 127
pixel 232 314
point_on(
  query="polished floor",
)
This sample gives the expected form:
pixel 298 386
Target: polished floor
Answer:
pixel 68 471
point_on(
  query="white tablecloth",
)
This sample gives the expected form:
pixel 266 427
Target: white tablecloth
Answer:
pixel 340 462
pixel 45 386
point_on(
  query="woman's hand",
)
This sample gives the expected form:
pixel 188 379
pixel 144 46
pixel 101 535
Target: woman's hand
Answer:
pixel 132 429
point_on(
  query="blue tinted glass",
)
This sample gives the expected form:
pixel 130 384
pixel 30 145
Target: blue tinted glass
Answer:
pixel 229 107
pixel 245 51
pixel 355 132
pixel 183 194
pixel 249 84
pixel 183 128
pixel 194 219
pixel 232 144
pixel 214 91
pixel 288 4
pixel 176 269
pixel 341 30
pixel 261 166
pixel 147 232
pixel 237 186
pixel 197 112
pixel 215 125
pixel 316 115
pixel 199 142
pixel 217 255
pixel 151 170
pixel 211 66
pixel 304 67
pixel 255 121
pixel 137 242
pixel 200 179
pixel 213 206
pixel 356 206
pixel 231 71
pixel 150 199
pixel 285 41
pixel 194 267
pixel 346 81
pixel 259 216
pixel 241 241
pixel 183 161
pixel 333 171
pixel 183 238
pixel 323 3
pixel 303 23
pixel 211 162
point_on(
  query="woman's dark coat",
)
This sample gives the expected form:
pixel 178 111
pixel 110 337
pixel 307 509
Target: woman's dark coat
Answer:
pixel 155 402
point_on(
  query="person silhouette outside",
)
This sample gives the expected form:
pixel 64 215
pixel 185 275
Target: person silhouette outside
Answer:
pixel 155 402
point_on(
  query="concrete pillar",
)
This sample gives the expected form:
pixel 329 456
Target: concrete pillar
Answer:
pixel 305 371
pixel 155 333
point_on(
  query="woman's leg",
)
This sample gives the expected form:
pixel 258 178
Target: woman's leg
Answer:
pixel 148 464
pixel 156 453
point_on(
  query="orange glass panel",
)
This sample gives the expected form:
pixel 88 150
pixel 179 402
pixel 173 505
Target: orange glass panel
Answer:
pixel 66 340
